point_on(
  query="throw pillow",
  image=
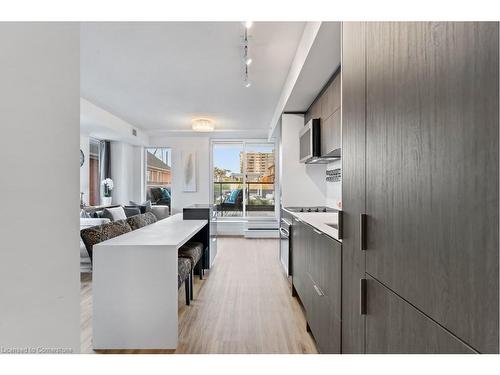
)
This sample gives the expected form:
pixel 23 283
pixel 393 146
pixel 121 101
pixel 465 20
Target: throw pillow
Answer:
pixel 165 194
pixel 144 207
pixel 84 214
pixel 114 214
pixel 131 211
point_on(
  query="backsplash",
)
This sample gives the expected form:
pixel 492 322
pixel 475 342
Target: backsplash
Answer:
pixel 333 177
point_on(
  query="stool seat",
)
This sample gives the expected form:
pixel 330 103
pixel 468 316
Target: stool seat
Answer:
pixel 191 251
pixel 183 270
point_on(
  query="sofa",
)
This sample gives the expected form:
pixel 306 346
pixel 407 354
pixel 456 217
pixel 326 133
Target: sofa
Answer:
pixel 160 211
pixel 159 196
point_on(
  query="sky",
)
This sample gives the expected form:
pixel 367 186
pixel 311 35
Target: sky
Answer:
pixel 228 156
pixel 225 156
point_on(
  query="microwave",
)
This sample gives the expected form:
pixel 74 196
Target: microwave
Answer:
pixel 310 142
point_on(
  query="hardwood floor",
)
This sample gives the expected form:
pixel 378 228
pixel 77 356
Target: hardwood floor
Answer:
pixel 244 305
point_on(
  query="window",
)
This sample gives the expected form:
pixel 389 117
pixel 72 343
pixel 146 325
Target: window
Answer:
pixel 244 178
pixel 158 175
pixel 94 179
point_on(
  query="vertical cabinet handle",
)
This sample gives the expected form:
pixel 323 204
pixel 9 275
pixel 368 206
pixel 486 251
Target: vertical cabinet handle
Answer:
pixel 318 290
pixel 340 231
pixel 362 296
pixel 362 232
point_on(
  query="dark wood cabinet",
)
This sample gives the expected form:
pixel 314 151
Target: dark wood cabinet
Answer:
pixel 353 183
pixel 326 107
pixel 420 159
pixel 395 326
pixel 299 254
pixel 208 235
pixel 317 281
pixel 432 171
pixel 325 314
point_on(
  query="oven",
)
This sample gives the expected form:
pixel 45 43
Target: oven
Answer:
pixel 285 235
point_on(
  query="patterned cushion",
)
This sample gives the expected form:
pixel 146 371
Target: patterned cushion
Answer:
pixel 94 235
pixel 191 251
pixel 150 218
pixel 137 221
pixel 183 270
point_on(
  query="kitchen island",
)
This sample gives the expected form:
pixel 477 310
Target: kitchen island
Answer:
pixel 135 286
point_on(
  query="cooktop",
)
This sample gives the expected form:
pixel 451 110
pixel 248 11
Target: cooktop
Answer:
pixel 311 209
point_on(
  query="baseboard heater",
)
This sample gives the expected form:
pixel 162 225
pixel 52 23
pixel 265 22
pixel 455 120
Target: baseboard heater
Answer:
pixel 262 230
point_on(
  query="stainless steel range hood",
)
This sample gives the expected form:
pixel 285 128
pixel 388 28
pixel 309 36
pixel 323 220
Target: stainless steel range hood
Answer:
pixel 319 141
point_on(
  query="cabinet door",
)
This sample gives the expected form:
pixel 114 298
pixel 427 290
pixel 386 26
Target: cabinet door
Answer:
pixel 327 135
pixel 298 260
pixel 394 326
pixel 300 245
pixel 313 270
pixel 309 266
pixel 432 171
pixel 327 302
pixel 353 182
pixel 336 130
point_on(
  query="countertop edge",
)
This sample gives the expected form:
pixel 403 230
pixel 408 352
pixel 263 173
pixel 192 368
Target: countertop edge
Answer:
pixel 333 237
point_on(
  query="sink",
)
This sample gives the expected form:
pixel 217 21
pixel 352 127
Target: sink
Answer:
pixel 333 225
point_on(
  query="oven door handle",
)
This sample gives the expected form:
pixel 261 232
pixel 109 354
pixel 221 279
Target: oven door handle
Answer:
pixel 284 232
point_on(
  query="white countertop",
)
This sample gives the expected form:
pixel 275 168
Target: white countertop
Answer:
pixel 172 231
pixel 319 220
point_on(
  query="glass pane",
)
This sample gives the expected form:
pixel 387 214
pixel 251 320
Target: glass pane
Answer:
pixel 159 176
pixel 228 179
pixel 94 180
pixel 260 169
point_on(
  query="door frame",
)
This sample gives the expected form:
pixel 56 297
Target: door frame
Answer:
pixel 244 142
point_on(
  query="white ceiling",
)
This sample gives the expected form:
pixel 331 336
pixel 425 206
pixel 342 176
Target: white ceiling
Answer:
pixel 159 76
pixel 322 61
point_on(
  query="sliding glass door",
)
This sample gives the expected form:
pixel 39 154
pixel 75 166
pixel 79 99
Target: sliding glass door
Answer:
pixel 243 178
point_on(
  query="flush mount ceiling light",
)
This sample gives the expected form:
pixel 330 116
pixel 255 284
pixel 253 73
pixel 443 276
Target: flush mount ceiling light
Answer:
pixel 203 125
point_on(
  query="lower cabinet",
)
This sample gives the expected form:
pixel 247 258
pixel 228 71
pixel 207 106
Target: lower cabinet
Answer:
pixel 317 281
pixel 394 326
pixel 300 250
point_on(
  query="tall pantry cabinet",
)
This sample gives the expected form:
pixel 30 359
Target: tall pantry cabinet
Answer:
pixel 420 162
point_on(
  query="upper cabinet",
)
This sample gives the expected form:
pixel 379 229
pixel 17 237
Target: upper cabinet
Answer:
pixel 326 107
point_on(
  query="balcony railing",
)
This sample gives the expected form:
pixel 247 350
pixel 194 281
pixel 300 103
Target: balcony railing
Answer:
pixel 259 198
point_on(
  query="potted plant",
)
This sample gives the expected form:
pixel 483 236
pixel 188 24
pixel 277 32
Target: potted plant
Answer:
pixel 107 189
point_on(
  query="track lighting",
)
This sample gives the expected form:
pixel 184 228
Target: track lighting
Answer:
pixel 247 60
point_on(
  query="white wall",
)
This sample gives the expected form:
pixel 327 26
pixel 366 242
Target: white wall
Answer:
pixel 84 169
pixel 102 124
pixel 199 144
pixel 39 117
pixel 126 172
pixel 301 184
